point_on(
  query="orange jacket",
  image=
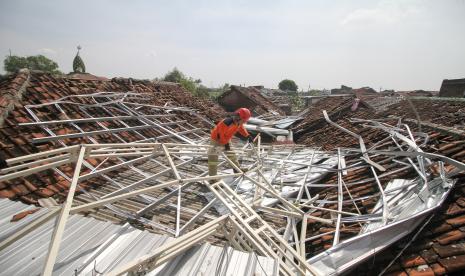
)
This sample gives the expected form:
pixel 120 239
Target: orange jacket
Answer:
pixel 225 130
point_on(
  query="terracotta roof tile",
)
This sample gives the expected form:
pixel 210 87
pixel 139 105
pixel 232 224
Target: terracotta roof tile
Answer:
pixel 44 192
pixel 455 209
pixel 20 189
pixel 451 236
pixel 450 250
pixel 7 193
pixel 412 260
pixel 453 264
pixel 397 273
pixel 457 221
pixel 430 255
pixel 420 271
pixel 23 214
pixel 438 269
pixel 28 200
pixel 442 228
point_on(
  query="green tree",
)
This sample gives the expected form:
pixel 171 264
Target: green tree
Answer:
pixel 225 87
pixel 190 84
pixel 174 76
pixel 202 91
pixel 12 64
pixel 288 85
pixel 296 101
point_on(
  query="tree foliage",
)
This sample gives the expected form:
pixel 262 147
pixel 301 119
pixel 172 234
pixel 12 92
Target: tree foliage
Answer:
pixel 203 91
pixel 174 76
pixel 12 64
pixel 225 87
pixel 296 101
pixel 192 85
pixel 288 85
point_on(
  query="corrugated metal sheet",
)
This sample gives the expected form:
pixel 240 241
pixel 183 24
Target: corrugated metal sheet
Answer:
pixel 90 246
pixel 405 215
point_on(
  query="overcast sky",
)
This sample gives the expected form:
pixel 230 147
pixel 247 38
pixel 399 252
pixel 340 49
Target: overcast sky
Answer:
pixel 402 45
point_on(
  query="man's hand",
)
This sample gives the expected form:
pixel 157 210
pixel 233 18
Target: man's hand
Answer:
pixel 227 147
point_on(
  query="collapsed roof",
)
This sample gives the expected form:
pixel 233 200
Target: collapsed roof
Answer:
pixel 304 207
pixel 434 249
pixel 249 97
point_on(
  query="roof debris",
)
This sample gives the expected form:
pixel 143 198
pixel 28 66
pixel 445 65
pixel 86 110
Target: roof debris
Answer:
pixel 359 181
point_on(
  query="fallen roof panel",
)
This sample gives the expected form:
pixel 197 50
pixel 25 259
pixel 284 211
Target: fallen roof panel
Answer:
pixel 91 246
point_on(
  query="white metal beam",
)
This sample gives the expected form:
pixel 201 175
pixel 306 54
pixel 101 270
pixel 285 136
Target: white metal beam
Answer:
pixel 60 226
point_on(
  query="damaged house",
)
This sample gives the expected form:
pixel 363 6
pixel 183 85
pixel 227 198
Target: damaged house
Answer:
pixel 452 88
pixel 249 97
pixel 110 177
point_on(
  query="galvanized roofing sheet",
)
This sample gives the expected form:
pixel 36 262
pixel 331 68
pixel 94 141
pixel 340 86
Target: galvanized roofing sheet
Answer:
pixel 91 246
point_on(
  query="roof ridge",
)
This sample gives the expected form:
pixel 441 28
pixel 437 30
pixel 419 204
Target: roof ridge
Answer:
pixel 250 89
pixel 13 93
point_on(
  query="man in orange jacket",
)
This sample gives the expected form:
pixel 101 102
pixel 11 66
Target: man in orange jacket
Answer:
pixel 222 134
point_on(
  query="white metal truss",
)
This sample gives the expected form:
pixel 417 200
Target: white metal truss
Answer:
pixel 258 209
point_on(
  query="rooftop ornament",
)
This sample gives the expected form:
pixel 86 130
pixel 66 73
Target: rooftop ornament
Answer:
pixel 78 63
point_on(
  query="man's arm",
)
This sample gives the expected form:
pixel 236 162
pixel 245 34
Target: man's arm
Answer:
pixel 242 131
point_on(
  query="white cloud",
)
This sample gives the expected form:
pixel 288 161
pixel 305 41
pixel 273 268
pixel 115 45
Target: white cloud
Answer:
pixel 47 51
pixel 384 13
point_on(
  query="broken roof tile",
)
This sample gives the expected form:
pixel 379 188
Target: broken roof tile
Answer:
pixel 23 214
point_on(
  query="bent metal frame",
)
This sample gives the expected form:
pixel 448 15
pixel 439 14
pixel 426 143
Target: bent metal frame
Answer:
pixel 279 183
